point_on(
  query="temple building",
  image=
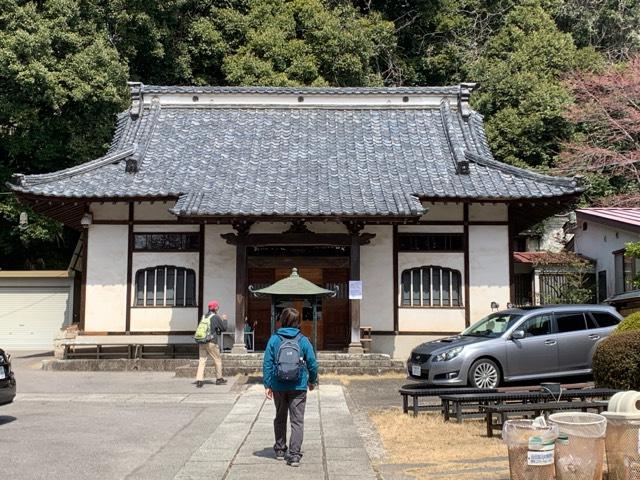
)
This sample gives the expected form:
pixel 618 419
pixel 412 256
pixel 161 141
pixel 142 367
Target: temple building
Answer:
pixel 388 197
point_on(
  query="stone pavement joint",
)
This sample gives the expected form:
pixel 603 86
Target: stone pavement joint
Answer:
pixel 241 448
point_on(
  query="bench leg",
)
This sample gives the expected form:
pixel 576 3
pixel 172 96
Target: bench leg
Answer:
pixel 405 404
pixel 445 410
pixel 98 348
pixel 416 403
pixel 489 424
pixel 458 407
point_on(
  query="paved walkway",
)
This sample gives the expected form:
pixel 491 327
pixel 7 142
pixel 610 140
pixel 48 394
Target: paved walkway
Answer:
pixel 241 446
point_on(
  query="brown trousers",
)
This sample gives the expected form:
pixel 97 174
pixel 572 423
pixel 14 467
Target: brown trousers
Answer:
pixel 209 350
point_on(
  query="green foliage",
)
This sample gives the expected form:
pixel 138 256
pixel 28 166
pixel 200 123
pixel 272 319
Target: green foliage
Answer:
pixel 61 84
pixel 616 362
pixel 630 323
pixel 522 96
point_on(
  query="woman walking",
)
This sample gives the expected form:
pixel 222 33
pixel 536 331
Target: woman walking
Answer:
pixel 289 368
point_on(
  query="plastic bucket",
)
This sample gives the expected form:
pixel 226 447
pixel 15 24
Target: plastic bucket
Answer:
pixel 580 445
pixel 623 446
pixel 531 449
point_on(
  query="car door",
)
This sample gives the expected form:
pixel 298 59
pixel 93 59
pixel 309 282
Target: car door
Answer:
pixel 575 341
pixel 537 352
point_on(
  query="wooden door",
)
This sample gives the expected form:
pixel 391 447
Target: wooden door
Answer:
pixel 259 308
pixel 335 310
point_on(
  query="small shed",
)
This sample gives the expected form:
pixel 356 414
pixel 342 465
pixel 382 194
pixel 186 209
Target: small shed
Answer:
pixel 299 293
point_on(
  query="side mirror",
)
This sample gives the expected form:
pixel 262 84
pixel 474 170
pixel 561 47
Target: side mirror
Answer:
pixel 517 335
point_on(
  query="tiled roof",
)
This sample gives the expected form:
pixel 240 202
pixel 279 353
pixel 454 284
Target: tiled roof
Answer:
pixel 628 216
pixel 290 160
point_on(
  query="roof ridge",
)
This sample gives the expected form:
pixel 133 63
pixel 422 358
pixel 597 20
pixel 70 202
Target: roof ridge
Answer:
pixel 461 163
pixel 256 89
pixel 521 172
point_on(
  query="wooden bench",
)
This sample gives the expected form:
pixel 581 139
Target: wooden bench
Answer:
pixel 536 409
pixel 417 391
pixel 123 346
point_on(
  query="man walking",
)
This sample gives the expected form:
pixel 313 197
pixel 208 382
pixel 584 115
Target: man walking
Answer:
pixel 209 346
pixel 289 368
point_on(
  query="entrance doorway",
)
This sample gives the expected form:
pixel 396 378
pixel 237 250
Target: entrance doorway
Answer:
pixel 327 267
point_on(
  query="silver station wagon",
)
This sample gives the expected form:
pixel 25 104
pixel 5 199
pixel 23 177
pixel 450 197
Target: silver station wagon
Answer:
pixel 528 343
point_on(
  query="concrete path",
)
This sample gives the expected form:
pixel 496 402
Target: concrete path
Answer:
pixel 241 447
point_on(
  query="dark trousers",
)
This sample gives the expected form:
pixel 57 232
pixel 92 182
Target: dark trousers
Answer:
pixel 291 403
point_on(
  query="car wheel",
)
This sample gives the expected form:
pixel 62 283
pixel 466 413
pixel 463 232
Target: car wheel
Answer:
pixel 484 373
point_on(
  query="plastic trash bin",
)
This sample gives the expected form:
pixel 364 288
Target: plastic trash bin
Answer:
pixel 531 448
pixel 623 436
pixel 580 445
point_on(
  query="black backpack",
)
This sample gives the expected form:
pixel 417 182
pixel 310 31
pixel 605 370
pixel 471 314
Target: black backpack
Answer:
pixel 289 360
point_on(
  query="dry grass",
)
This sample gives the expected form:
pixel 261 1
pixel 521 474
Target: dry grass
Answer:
pixel 347 379
pixel 444 447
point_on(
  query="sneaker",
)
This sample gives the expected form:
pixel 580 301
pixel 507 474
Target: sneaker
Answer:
pixel 293 460
pixel 221 381
pixel 281 454
pixel 199 384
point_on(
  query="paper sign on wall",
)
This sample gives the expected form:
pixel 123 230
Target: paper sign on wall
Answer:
pixel 355 289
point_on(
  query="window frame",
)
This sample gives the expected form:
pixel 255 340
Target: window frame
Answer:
pixel 455 280
pixel 162 250
pixel 148 293
pixel 567 313
pixel 623 277
pixel 458 235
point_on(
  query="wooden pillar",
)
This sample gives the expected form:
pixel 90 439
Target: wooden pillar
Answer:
pixel 467 273
pixel 130 243
pixel 242 285
pixel 241 298
pixel 355 346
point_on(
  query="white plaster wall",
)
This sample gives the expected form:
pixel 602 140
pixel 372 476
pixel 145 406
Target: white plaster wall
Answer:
pixel 166 228
pixel 110 211
pixel 376 272
pixel 106 282
pixel 488 268
pixel 220 269
pixel 153 211
pixel 599 242
pixel 443 212
pixel 431 228
pixel 163 319
pixel 488 212
pixel 430 319
pixel 399 346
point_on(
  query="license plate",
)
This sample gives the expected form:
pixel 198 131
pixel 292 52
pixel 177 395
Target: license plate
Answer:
pixel 2 374
pixel 416 370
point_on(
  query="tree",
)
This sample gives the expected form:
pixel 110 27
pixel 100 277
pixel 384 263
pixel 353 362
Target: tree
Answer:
pixel 61 85
pixel 522 96
pixel 606 149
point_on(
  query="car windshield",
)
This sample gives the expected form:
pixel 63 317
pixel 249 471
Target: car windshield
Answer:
pixel 492 326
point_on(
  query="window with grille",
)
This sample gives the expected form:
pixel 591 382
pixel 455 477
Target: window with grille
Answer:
pixel 165 286
pixel 430 242
pixel 431 286
pixel 166 242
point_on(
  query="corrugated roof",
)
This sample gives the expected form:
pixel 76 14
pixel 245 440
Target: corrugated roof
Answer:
pixel 337 160
pixel 629 216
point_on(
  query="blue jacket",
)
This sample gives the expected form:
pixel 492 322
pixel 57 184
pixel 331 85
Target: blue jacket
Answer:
pixel 309 374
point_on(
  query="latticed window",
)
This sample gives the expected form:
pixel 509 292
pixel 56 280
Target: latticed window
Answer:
pixel 431 286
pixel 166 286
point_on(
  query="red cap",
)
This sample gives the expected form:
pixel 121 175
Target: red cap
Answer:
pixel 213 305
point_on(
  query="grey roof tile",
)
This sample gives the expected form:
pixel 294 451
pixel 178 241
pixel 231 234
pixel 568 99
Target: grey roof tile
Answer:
pixel 298 160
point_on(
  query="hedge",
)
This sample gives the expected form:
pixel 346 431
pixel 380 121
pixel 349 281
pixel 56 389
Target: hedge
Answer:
pixel 630 322
pixel 616 361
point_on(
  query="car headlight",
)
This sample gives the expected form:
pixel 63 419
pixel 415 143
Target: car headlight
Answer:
pixel 448 354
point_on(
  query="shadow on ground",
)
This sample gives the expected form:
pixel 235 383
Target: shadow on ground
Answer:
pixel 4 419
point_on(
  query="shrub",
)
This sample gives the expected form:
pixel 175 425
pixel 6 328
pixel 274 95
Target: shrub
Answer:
pixel 616 361
pixel 630 322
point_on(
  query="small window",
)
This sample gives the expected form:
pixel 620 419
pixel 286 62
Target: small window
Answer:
pixel 570 322
pixel 166 242
pixel 431 286
pixel 165 286
pixel 536 326
pixel 605 319
pixel 430 242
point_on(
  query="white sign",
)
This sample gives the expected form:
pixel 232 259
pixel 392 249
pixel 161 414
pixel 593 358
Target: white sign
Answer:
pixel 355 289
